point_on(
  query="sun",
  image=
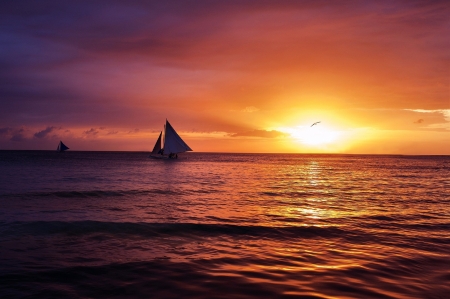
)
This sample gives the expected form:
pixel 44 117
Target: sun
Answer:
pixel 317 135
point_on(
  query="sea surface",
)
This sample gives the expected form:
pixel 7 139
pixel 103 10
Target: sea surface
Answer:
pixel 210 225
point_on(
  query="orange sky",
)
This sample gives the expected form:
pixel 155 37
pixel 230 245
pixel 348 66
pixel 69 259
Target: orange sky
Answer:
pixel 245 76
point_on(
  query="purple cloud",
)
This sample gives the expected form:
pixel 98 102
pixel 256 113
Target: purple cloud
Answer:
pixel 92 132
pixel 18 135
pixel 13 134
pixel 44 133
pixel 4 132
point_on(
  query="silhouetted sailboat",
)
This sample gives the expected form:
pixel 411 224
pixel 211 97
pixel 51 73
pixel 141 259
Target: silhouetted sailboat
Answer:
pixel 170 146
pixel 61 147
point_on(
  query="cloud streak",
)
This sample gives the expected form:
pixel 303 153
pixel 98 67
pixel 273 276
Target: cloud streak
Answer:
pixel 260 133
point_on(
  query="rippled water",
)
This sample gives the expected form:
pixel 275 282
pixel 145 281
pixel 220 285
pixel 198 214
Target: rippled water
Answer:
pixel 121 225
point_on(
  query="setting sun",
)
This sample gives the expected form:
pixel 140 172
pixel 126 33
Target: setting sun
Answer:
pixel 313 136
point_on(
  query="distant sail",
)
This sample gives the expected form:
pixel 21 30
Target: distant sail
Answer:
pixel 169 144
pixel 157 148
pixel 173 143
pixel 61 147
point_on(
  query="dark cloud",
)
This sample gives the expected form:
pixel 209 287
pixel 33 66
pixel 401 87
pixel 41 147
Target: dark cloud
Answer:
pixel 18 138
pixel 18 135
pixel 4 132
pixel 260 133
pixel 419 121
pixel 44 133
pixel 13 134
pixel 92 132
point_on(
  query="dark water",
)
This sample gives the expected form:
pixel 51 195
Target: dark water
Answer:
pixel 121 225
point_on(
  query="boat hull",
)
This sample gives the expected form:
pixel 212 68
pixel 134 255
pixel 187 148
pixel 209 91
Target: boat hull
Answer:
pixel 159 157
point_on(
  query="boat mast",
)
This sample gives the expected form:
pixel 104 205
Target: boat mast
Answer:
pixel 164 139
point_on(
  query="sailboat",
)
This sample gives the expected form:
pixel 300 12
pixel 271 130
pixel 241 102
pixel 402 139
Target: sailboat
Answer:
pixel 169 144
pixel 61 147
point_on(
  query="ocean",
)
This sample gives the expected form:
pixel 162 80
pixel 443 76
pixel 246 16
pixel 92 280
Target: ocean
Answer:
pixel 213 225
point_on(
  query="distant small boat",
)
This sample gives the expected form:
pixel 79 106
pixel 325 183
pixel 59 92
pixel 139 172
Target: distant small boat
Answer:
pixel 61 147
pixel 169 144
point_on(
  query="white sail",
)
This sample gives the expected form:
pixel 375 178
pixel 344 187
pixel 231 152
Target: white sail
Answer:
pixel 157 147
pixel 173 144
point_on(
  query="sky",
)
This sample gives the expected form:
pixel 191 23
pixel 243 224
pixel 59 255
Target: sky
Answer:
pixel 230 76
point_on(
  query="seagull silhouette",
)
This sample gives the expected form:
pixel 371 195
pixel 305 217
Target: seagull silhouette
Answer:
pixel 315 123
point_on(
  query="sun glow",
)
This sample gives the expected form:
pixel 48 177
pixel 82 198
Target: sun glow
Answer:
pixel 317 135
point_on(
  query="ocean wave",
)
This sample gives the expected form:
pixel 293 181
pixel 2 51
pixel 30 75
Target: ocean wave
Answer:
pixel 125 229
pixel 434 235
pixel 94 193
pixel 80 194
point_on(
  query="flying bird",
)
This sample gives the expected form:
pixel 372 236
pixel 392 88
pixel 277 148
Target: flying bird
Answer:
pixel 315 123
